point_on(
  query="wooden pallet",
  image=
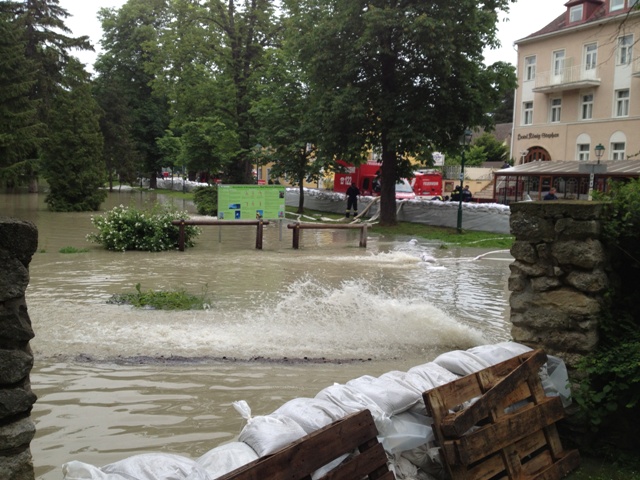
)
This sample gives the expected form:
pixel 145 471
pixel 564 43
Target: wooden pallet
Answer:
pixel 509 430
pixel 354 433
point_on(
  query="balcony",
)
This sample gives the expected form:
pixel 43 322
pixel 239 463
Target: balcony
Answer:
pixel 568 78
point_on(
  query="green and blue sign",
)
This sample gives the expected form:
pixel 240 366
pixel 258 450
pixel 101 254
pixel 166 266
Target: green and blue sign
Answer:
pixel 250 202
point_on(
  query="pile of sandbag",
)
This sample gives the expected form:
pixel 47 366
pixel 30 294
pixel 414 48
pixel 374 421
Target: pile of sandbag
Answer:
pixel 394 400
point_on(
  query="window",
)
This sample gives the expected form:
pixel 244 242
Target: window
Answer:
pixel 556 110
pixel 625 49
pixel 622 103
pixel 586 109
pixel 617 151
pixel 583 152
pixel 616 5
pixel 527 113
pixel 558 62
pixel 632 3
pixel 530 68
pixel 575 14
pixel 590 56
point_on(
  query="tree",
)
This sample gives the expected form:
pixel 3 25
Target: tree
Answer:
pixel 494 150
pixel 406 77
pixel 72 163
pixel 130 44
pixel 47 48
pixel 20 131
pixel 285 125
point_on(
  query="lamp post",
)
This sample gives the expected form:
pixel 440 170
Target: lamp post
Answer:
pixel 465 140
pixel 599 149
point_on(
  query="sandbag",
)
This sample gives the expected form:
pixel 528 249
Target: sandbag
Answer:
pixel 311 413
pixel 430 375
pixel 267 434
pixel 226 458
pixel 387 391
pixel 146 466
pixel 494 354
pixel 352 401
pixel 461 362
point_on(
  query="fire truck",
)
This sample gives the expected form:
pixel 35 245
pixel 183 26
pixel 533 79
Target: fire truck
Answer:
pixel 427 183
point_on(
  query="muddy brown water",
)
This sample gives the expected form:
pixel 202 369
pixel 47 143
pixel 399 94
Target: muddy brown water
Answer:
pixel 113 381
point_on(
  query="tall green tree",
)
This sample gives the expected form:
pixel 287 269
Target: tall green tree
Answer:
pixel 130 43
pixel 286 132
pixel 50 48
pixel 404 76
pixel 20 130
pixel 246 28
pixel 72 162
pixel 494 150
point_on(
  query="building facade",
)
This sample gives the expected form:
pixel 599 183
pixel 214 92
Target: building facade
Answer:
pixel 579 85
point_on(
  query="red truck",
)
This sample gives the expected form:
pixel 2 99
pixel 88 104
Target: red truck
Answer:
pixel 366 178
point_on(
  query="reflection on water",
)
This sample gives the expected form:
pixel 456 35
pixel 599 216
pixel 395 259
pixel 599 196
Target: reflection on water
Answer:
pixel 113 381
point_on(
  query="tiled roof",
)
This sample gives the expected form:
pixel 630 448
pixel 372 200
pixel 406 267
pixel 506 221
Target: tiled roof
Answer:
pixel 560 23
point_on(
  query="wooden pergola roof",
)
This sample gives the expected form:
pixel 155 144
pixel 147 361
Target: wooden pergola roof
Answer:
pixel 614 168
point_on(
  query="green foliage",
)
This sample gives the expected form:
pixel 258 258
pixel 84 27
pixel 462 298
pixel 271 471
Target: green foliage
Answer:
pixel 494 150
pixel 124 228
pixel 73 250
pixel 206 200
pixel 72 161
pixel 161 300
pixel 20 131
pixel 612 384
pixel 380 77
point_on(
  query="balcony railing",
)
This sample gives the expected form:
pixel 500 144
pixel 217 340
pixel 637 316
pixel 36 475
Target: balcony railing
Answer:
pixel 568 78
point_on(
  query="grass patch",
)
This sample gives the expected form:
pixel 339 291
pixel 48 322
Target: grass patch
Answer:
pixel 161 300
pixel 447 236
pixel 73 250
pixel 601 469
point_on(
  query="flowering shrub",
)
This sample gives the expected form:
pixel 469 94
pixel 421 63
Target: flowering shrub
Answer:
pixel 124 228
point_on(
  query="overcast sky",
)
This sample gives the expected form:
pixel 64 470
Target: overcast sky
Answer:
pixel 525 17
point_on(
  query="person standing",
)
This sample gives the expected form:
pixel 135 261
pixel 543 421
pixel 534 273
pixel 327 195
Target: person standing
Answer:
pixel 352 200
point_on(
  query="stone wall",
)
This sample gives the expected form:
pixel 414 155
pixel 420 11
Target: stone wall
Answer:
pixel 18 243
pixel 559 276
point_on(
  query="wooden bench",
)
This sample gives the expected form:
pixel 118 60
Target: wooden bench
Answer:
pixel 354 433
pixel 509 430
pixel 296 227
pixel 257 223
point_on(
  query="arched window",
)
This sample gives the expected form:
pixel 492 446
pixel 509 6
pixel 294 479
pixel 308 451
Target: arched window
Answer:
pixel 535 154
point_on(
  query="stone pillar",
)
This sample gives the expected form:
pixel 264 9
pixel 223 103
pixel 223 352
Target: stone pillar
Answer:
pixel 559 276
pixel 18 243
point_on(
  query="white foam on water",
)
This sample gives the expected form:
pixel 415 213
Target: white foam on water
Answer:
pixel 356 319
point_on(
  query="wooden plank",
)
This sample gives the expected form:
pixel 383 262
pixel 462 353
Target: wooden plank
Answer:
pixel 561 468
pixel 459 423
pixel 317 449
pixel 508 429
pixel 370 460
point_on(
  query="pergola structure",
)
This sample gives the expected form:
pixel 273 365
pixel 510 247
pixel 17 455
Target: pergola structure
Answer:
pixel 573 180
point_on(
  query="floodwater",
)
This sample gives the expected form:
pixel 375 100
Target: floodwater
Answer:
pixel 113 381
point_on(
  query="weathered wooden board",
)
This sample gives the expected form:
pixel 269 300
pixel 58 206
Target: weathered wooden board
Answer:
pixel 498 423
pixel 355 433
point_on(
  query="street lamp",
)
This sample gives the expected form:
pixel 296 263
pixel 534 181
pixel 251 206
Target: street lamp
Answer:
pixel 464 141
pixel 599 149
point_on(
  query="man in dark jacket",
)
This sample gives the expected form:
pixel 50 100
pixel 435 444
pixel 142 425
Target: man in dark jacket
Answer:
pixel 352 200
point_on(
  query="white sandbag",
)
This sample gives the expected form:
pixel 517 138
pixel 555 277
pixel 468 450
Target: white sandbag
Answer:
pixel 409 430
pixel 147 466
pixel 267 433
pixel 311 413
pixel 494 354
pixel 226 458
pixel 430 375
pixel 427 458
pixel 461 362
pixel 76 470
pixel 352 401
pixel 387 391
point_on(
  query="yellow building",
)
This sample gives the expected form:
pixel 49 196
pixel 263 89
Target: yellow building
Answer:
pixel 577 104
